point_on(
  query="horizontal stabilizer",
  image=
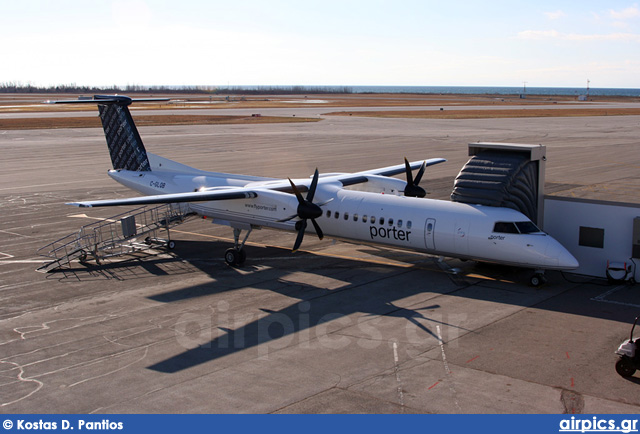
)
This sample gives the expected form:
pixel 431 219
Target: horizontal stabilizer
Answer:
pixel 107 99
pixel 125 145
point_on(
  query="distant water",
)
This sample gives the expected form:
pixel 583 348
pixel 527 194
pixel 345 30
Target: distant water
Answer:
pixel 481 90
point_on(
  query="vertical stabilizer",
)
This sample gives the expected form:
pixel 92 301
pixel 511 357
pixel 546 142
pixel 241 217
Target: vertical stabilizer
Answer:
pixel 125 145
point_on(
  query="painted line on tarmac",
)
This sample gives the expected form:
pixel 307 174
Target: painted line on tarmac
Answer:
pixel 84 181
pixel 602 297
pixel 447 371
pixel 15 233
pixel 396 369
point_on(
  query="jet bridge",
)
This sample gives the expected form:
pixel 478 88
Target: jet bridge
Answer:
pixel 506 175
pixel 125 233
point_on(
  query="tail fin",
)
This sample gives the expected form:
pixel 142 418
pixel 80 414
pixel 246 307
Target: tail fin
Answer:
pixel 125 145
pixel 124 142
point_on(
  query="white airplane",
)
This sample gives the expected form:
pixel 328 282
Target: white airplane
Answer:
pixel 363 207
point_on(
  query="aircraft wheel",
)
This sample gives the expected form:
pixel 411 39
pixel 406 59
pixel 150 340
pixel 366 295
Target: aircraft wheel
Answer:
pixel 625 367
pixel 234 257
pixel 243 256
pixel 537 280
pixel 171 245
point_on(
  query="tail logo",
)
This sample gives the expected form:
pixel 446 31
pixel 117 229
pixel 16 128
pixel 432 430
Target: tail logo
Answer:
pixel 125 145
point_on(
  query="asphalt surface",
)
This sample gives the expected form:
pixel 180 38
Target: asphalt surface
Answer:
pixel 333 328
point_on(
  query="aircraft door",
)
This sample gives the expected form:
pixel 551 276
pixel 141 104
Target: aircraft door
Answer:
pixel 461 238
pixel 429 231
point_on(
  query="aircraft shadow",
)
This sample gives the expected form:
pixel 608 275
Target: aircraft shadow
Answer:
pixel 319 305
pixel 316 307
pixel 133 266
pixel 372 294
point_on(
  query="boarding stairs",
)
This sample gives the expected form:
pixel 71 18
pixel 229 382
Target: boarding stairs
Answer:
pixel 122 234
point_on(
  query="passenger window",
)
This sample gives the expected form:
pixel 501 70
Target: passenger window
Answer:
pixel 328 213
pixel 381 220
pixel 409 224
pixel 390 222
pixel 399 223
pixel 505 228
pixel 337 214
pixel 355 217
pixel 373 220
pixel 364 218
pixel 346 216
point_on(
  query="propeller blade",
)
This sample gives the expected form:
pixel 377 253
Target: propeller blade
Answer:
pixel 296 191
pixel 413 189
pixel 317 228
pixel 325 202
pixel 408 171
pixel 312 187
pixel 303 227
pixel 287 219
pixel 418 177
pixel 307 210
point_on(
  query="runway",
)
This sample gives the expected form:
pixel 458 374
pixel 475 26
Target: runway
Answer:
pixel 334 328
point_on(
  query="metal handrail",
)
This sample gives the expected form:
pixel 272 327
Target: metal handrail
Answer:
pixel 107 238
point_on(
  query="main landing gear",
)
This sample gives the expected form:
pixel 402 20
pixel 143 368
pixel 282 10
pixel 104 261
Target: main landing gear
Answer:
pixel 236 255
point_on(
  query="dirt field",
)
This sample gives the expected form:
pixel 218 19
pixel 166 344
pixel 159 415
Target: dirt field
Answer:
pixel 492 114
pixel 94 122
pixel 27 103
pixel 37 102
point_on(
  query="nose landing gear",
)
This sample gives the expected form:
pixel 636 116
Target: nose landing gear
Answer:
pixel 538 279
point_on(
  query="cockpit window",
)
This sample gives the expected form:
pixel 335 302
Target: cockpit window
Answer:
pixel 515 228
pixel 527 227
pixel 505 228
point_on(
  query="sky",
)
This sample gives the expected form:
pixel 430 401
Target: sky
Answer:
pixel 321 43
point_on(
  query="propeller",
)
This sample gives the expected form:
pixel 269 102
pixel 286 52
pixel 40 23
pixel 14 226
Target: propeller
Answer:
pixel 413 189
pixel 307 210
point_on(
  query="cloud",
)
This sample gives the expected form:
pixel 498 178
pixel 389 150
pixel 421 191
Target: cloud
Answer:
pixel 625 14
pixel 555 15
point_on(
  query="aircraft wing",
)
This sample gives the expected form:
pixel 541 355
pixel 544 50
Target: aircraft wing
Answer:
pixel 360 177
pixel 244 193
pixel 193 196
pixel 345 178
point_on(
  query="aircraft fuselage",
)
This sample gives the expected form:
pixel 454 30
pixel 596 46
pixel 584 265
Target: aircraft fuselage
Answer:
pixel 381 217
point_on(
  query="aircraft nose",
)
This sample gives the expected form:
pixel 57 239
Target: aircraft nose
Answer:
pixel 567 261
pixel 562 259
